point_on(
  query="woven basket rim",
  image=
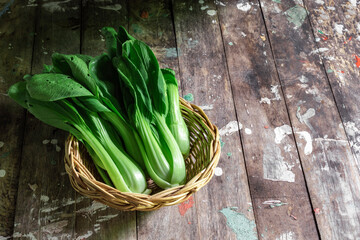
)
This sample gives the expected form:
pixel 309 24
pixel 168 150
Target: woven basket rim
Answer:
pixel 139 201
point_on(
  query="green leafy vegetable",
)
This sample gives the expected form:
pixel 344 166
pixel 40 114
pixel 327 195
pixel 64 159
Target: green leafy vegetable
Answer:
pixel 174 119
pixel 147 104
pixel 120 105
pixel 52 87
pixel 124 173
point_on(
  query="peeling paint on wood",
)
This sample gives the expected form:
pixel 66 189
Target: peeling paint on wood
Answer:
pixel 243 227
pixel 275 168
pixel 230 128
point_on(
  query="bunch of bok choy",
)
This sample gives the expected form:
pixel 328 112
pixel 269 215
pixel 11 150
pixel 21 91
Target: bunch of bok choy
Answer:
pixel 120 105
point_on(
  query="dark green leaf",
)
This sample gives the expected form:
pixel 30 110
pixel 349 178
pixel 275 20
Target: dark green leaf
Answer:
pixel 60 64
pixel 18 93
pixel 74 66
pixel 156 83
pixel 104 73
pixel 111 40
pixel 135 93
pixel 130 52
pixel 169 76
pixel 107 78
pixel 50 113
pixel 54 86
pixel 123 35
pixel 27 77
pixel 48 68
pixel 85 58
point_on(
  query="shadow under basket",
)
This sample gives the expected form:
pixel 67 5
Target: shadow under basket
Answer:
pixel 200 166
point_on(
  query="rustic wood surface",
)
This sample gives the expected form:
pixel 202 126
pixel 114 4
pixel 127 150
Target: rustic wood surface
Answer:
pixel 16 53
pixel 47 210
pixel 331 170
pixel 278 77
pixel 274 169
pixel 336 32
pixel 206 79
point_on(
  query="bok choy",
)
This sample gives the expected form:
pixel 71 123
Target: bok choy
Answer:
pixel 120 105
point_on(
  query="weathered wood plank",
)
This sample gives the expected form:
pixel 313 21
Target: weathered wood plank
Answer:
pixel 93 219
pixel 16 34
pixel 331 171
pixel 276 179
pixel 5 6
pixel 151 22
pixel 335 24
pixel 221 206
pixel 46 200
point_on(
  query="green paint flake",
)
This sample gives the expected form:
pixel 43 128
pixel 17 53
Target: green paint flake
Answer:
pixel 321 32
pixel 5 154
pixel 329 70
pixel 277 1
pixel 189 97
pixel 192 43
pixel 171 53
pixel 231 43
pixel 243 227
pixel 277 205
pixel 229 154
pixel 296 15
pixel 221 143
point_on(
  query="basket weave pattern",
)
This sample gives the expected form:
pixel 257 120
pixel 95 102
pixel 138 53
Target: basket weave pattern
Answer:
pixel 200 167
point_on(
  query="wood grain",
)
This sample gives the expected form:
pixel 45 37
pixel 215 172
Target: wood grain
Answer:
pixel 204 74
pixel 275 174
pixel 330 169
pixel 287 75
pixel 335 28
pixel 46 200
pixel 93 219
pixel 151 22
pixel 16 34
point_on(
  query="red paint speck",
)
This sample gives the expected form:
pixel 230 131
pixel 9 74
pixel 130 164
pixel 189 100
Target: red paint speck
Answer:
pixel 189 222
pixel 317 210
pixel 346 42
pixel 357 61
pixel 324 38
pixel 144 14
pixel 183 207
pixel 266 127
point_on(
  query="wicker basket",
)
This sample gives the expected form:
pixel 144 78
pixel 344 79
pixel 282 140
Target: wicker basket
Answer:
pixel 200 166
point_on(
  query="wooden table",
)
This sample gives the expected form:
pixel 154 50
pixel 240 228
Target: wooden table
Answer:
pixel 280 79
